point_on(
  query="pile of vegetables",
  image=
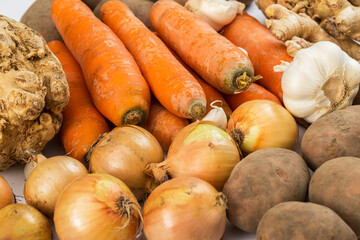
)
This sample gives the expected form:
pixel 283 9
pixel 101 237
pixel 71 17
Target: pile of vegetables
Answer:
pixel 174 121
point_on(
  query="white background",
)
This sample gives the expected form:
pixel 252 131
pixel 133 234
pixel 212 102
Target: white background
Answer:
pixel 14 175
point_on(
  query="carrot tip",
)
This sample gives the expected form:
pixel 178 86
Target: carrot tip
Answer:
pixel 244 81
pixel 135 116
pixel 197 108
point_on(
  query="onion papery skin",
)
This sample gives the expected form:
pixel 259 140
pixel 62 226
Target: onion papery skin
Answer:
pixel 48 180
pixel 184 208
pixel 97 207
pixel 6 194
pixel 203 151
pixel 19 221
pixel 259 124
pixel 124 153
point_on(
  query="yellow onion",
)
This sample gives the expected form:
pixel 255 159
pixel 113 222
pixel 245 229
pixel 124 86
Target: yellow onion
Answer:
pixel 199 150
pixel 21 221
pixel 48 180
pixel 259 124
pixel 184 208
pixel 31 165
pixel 6 194
pixel 96 207
pixel 124 153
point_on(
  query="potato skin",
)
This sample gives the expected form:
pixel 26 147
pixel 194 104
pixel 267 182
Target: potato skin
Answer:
pixel 299 220
pixel 333 135
pixel 261 180
pixel 336 184
pixel 38 17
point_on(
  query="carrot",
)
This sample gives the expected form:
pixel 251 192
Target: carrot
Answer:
pixel 117 87
pixel 82 123
pixel 172 85
pixel 211 93
pixel 254 92
pixel 264 49
pixel 163 124
pixel 219 62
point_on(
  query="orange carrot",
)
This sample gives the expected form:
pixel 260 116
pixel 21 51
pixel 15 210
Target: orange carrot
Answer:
pixel 219 62
pixel 214 95
pixel 172 85
pixel 211 93
pixel 264 49
pixel 254 92
pixel 82 123
pixel 114 80
pixel 163 124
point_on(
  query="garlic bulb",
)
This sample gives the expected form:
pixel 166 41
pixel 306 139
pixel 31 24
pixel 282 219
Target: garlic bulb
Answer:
pixel 217 13
pixel 320 79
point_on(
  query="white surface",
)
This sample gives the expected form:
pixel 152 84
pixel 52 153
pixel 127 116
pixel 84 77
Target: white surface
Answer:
pixel 15 176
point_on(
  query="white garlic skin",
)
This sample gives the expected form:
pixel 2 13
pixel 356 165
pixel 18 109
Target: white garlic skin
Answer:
pixel 303 81
pixel 217 13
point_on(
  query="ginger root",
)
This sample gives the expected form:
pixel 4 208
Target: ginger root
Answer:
pixel 343 14
pixel 33 93
pixel 298 30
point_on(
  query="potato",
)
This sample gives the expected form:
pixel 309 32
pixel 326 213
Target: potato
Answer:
pixel 38 17
pixel 333 135
pixel 140 8
pixel 336 184
pixel 299 220
pixel 261 180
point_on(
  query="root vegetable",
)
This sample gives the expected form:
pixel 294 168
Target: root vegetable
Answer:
pixel 219 62
pixel 48 180
pixel 163 124
pixel 260 181
pixel 298 220
pixel 38 17
pixel 175 88
pixel 259 124
pixel 33 90
pixel 6 194
pixel 140 8
pixel 335 184
pixel 21 221
pixel 333 135
pixel 264 49
pixel 184 208
pixel 300 30
pixel 97 207
pixel 111 73
pixel 213 96
pixel 83 124
pixel 199 150
pixel 345 14
pixel 254 92
pixel 124 153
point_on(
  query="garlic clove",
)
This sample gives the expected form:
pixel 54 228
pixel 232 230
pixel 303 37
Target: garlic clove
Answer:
pixel 216 13
pixel 217 115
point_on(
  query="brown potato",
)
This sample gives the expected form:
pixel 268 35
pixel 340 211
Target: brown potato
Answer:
pixel 38 17
pixel 333 135
pixel 299 220
pixel 261 180
pixel 336 184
